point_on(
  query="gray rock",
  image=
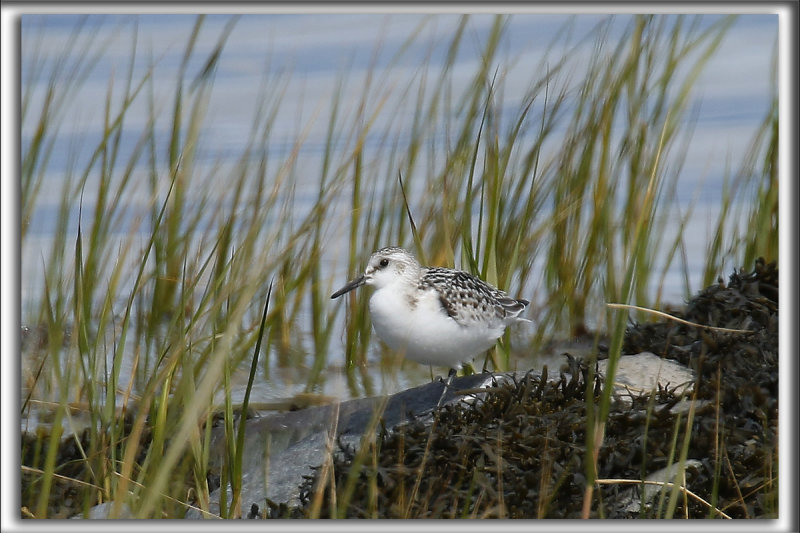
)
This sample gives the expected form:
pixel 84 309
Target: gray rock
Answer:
pixel 657 482
pixel 282 448
pixel 103 510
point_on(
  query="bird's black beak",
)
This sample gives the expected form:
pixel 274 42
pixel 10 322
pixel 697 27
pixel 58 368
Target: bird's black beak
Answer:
pixel 350 286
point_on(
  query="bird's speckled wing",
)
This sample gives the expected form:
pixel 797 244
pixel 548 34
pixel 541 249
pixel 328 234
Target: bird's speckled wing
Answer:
pixel 468 299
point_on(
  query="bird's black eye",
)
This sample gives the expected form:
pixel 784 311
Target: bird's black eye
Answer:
pixel 384 263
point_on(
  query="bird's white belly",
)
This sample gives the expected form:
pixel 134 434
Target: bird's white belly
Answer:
pixel 424 332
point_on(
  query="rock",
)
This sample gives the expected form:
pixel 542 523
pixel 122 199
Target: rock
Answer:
pixel 671 474
pixel 646 372
pixel 281 449
pixel 103 510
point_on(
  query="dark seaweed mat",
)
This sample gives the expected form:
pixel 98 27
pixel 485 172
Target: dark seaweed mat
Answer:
pixel 519 452
pixel 745 363
pixel 67 498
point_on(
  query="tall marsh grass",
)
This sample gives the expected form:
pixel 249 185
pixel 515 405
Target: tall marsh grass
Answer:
pixel 153 307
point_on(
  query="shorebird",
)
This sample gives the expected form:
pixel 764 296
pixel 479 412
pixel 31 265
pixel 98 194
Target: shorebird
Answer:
pixel 436 316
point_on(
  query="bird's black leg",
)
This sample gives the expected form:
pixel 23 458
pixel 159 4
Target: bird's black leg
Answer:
pixel 450 375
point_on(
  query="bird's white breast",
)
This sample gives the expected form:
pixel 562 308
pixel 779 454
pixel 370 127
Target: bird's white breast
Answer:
pixel 416 324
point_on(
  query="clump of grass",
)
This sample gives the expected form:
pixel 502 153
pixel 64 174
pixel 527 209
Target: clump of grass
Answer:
pixel 745 231
pixel 163 317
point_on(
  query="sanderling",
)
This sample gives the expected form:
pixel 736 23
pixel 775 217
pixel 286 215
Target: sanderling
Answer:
pixel 434 316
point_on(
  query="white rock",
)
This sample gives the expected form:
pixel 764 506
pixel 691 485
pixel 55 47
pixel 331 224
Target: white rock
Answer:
pixel 645 371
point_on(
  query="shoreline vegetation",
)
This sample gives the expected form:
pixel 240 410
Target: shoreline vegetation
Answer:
pixel 147 333
pixel 517 453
